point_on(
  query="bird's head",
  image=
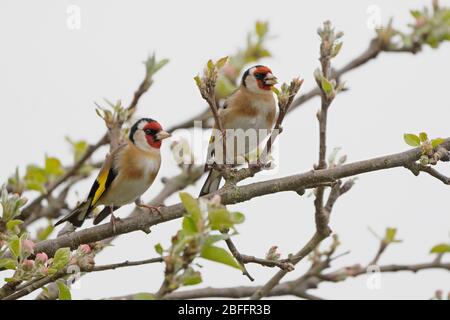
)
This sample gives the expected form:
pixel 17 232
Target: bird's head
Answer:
pixel 259 79
pixel 147 134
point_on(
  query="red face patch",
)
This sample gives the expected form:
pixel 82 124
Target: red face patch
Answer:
pixel 260 73
pixel 151 129
pixel 263 69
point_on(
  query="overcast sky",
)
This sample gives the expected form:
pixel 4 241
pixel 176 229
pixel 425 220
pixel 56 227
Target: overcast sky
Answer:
pixel 50 75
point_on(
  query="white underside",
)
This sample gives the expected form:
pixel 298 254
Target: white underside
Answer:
pixel 246 135
pixel 124 191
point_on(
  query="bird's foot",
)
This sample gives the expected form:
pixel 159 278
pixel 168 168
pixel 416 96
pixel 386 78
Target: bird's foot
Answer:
pixel 113 221
pixel 153 209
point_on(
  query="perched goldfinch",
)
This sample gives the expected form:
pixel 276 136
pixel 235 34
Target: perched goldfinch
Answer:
pixel 251 106
pixel 125 175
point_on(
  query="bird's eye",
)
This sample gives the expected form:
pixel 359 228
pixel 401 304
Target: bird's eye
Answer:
pixel 259 76
pixel 149 132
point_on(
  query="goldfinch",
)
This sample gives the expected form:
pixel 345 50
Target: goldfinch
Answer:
pixel 251 106
pixel 125 175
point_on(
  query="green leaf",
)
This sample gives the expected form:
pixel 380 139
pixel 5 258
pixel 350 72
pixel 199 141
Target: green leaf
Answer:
pixel 15 246
pixel 36 186
pixel 416 14
pixel 436 142
pixel 221 62
pixel 224 87
pixel 159 249
pixel 144 296
pixel 78 148
pixel 61 258
pixel 53 166
pixel 160 64
pixel 7 264
pixel 336 49
pixel 411 139
pixel 423 136
pixel 390 235
pixel 35 173
pixel 219 218
pixel 191 277
pixel 275 90
pixel 189 227
pixel 220 255
pixel 261 28
pixel 64 291
pixel 11 224
pixel 326 86
pixel 44 233
pixel 52 270
pixel 210 65
pixel 198 81
pixel 441 248
pixel 191 206
pixel 237 217
pixel 211 239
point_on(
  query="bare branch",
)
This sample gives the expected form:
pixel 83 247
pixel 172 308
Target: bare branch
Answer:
pixel 328 92
pixel 235 195
pixel 32 285
pixel 416 168
pixel 127 263
pixel 234 251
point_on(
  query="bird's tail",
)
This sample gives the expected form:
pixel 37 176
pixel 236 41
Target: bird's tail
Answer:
pixel 104 213
pixel 212 182
pixel 77 216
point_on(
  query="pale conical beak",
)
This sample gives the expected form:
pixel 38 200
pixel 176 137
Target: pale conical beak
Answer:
pixel 162 135
pixel 270 79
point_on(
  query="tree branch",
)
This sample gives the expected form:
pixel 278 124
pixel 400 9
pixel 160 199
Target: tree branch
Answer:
pixel 32 285
pixel 235 195
pixel 296 287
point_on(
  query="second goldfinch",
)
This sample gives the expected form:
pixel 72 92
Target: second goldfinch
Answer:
pixel 125 175
pixel 251 106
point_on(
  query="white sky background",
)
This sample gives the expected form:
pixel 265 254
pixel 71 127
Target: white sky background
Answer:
pixel 50 76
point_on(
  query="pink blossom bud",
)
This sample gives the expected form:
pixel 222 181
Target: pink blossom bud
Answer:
pixel 44 270
pixel 85 248
pixel 41 257
pixel 420 22
pixel 215 200
pixel 28 264
pixel 28 246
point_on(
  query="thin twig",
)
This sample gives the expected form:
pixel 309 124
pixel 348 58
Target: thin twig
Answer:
pixel 125 264
pixel 34 284
pixel 321 213
pixel 416 168
pixel 235 252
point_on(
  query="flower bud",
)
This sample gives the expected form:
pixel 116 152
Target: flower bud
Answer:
pixel 85 248
pixel 41 257
pixel 28 246
pixel 28 264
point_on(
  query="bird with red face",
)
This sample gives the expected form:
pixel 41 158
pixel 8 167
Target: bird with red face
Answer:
pixel 251 106
pixel 125 175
